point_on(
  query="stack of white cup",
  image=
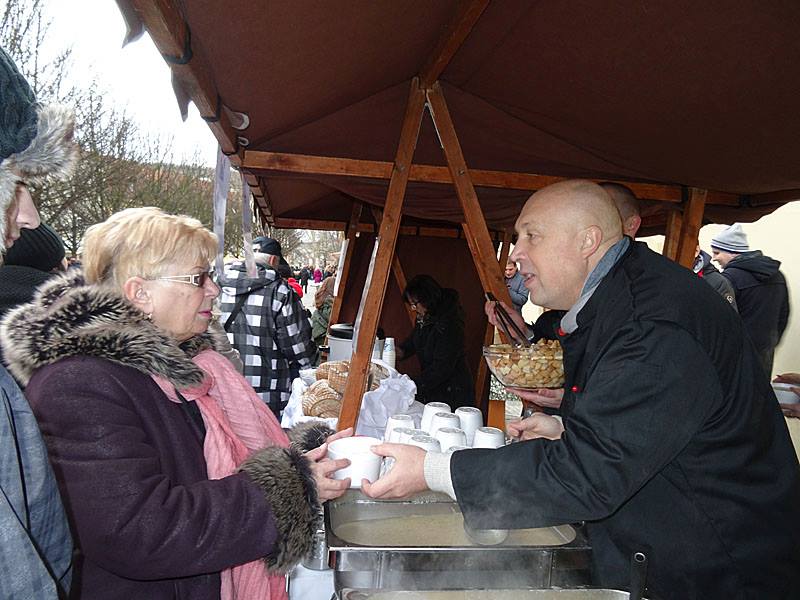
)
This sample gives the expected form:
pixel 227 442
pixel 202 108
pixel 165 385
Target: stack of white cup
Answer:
pixel 442 430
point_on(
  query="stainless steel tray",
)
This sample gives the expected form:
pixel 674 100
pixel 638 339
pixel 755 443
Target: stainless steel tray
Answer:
pixel 564 563
pixel 553 594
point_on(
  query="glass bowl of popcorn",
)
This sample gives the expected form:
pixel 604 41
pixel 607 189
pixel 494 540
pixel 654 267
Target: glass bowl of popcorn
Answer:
pixel 540 365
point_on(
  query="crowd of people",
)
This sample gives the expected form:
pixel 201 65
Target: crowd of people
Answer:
pixel 145 458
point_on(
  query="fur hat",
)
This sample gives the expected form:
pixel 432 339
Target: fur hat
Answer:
pixel 35 140
pixel 39 248
pixel 731 239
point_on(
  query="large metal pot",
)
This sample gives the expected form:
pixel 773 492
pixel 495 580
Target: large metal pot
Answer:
pixel 467 566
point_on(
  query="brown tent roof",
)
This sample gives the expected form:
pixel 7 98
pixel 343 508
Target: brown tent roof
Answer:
pixel 701 94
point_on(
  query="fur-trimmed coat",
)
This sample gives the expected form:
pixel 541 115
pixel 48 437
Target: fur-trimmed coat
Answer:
pixel 147 521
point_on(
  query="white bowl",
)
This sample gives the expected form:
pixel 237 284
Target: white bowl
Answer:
pixel 784 393
pixel 364 463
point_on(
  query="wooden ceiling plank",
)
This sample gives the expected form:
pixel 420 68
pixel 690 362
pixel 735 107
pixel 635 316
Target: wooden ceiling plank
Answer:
pixel 456 31
pixel 325 165
pixel 171 35
pixel 369 310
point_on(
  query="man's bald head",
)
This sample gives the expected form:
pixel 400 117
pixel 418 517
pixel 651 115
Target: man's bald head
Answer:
pixel 563 232
pixel 627 205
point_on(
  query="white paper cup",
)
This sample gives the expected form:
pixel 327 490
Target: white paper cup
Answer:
pixel 471 418
pixel 443 419
pixel 425 442
pixel 394 422
pixel 489 437
pixel 431 409
pixel 449 437
pixel 452 449
pixel 404 434
pixel 784 393
pixel 364 463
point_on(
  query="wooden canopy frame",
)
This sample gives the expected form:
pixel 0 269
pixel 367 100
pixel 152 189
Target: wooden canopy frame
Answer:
pixel 169 32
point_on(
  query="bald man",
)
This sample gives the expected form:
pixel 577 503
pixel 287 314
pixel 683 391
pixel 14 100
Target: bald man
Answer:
pixel 627 205
pixel 671 442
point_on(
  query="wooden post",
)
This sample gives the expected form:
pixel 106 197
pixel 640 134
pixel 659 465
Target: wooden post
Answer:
pixel 352 230
pixel 495 409
pixel 672 235
pixel 480 243
pixel 397 271
pixel 692 221
pixel 369 311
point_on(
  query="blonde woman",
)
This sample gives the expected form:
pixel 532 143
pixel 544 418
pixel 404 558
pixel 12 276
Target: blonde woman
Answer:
pixel 178 481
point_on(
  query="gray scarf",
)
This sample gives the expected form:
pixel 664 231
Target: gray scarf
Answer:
pixel 569 322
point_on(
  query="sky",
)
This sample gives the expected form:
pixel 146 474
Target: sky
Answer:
pixel 135 78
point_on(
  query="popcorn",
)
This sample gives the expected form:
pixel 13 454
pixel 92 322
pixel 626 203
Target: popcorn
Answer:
pixel 540 366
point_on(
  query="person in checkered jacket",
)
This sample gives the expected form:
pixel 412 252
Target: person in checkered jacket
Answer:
pixel 267 324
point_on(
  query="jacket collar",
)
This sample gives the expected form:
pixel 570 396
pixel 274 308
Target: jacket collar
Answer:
pixel 67 318
pixel 569 322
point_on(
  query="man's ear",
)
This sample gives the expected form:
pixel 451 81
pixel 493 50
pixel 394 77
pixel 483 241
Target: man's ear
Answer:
pixel 136 292
pixel 273 260
pixel 590 240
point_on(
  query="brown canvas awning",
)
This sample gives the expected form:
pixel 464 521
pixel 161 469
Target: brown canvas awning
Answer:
pixel 682 93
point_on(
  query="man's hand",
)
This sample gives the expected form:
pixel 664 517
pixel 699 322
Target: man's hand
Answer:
pixel 538 425
pixel 791 410
pixel 541 397
pixel 406 476
pixel 788 378
pixel 491 314
pixel 322 468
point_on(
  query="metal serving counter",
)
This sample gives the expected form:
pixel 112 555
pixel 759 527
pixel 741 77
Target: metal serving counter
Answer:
pixel 582 594
pixel 357 537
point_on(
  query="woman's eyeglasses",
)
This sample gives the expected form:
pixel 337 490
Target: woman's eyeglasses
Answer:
pixel 195 279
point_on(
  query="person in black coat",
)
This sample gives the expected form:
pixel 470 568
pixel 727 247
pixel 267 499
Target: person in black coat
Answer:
pixel 672 443
pixel 438 342
pixel 761 293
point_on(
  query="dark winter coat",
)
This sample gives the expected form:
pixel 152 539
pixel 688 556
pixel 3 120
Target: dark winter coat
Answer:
pixel 35 542
pixel 129 462
pixel 762 299
pixel 438 342
pixel 674 445
pixel 708 272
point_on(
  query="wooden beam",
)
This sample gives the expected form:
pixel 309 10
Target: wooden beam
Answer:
pixel 397 271
pixel 480 243
pixel 315 224
pixel 491 409
pixel 779 197
pixel 369 311
pixel 690 229
pixel 455 33
pixel 673 234
pixel 372 169
pixel 171 35
pixel 350 236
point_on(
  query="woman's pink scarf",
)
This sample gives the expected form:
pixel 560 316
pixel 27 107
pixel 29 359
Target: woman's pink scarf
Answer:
pixel 237 424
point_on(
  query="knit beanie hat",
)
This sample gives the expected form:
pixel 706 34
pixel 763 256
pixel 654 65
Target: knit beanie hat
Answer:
pixel 731 239
pixel 35 140
pixel 39 248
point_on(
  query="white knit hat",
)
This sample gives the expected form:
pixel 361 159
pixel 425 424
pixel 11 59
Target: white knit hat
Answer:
pixel 731 239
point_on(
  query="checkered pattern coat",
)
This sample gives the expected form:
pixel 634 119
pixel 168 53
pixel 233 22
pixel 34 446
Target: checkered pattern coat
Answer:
pixel 272 332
